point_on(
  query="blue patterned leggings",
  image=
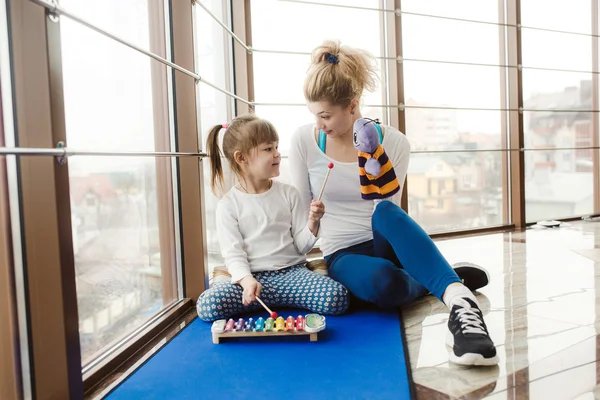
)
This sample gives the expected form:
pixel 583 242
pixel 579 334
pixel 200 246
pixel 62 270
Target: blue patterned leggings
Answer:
pixel 295 286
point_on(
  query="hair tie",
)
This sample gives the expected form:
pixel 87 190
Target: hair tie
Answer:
pixel 225 126
pixel 332 59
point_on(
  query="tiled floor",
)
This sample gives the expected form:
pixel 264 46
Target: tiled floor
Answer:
pixel 542 308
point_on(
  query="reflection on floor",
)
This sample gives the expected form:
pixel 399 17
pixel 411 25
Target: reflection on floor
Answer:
pixel 542 308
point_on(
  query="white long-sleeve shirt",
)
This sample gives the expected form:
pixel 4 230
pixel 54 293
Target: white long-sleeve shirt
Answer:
pixel 263 232
pixel 347 220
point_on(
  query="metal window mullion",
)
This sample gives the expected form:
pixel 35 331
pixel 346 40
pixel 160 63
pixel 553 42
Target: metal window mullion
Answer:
pixel 16 151
pixel 23 353
pixel 243 65
pixel 396 23
pixel 595 106
pixel 515 120
pixel 193 238
pixel 229 65
pixel 405 106
pixel 162 135
pixel 387 86
pixel 504 90
pixel 176 212
pixel 12 359
pixel 67 152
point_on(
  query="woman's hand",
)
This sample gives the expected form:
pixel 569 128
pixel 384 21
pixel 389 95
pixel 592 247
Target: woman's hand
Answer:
pixel 252 288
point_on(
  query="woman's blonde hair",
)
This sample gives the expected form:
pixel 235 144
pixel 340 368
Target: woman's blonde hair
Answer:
pixel 243 134
pixel 339 74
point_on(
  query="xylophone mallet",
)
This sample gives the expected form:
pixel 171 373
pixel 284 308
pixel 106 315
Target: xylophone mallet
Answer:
pixel 271 313
pixel 330 166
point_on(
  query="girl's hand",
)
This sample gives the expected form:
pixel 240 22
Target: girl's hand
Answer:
pixel 252 288
pixel 317 210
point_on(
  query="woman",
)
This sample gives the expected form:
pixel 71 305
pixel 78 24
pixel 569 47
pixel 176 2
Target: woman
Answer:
pixel 374 248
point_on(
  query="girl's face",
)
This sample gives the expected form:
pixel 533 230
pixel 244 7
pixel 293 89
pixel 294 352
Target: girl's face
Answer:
pixel 264 160
pixel 334 120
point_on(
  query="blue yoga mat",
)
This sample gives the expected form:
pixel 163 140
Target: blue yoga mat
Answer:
pixel 358 356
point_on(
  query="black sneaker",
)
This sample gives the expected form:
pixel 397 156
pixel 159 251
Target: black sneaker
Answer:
pixel 469 338
pixel 472 275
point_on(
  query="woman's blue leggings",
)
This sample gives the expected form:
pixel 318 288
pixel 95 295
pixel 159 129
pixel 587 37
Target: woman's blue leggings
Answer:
pixel 400 264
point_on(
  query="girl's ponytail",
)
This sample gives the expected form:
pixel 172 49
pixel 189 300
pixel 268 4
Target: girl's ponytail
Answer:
pixel 214 153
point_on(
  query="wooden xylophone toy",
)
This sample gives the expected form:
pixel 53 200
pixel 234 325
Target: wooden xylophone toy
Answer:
pixel 309 325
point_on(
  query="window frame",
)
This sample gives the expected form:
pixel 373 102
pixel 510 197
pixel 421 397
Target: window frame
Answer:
pixel 10 357
pixel 53 340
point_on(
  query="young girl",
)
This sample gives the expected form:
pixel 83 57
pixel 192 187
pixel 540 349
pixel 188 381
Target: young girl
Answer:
pixel 264 230
pixel 374 248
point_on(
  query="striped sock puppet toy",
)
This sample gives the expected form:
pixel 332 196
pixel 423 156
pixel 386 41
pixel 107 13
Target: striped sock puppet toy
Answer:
pixel 377 177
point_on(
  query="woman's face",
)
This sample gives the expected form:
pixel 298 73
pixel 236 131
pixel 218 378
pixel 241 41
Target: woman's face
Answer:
pixel 334 120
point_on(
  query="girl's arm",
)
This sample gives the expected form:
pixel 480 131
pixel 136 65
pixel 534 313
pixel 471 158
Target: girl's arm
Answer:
pixel 304 240
pixel 231 241
pixel 299 169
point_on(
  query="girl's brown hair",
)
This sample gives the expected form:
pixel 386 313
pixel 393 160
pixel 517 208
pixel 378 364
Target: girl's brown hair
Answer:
pixel 339 74
pixel 243 134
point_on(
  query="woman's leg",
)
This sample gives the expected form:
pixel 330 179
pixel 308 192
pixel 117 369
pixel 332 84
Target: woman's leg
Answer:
pixel 374 279
pixel 299 287
pixel 395 232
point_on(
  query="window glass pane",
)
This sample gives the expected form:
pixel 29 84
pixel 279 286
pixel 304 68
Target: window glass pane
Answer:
pixel 447 85
pixel 552 129
pixel 302 27
pixel 572 52
pixel 552 90
pixel 574 16
pixel 475 10
pixel 121 272
pixel 121 207
pixel 108 92
pixel 438 39
pixel 558 184
pixel 274 83
pixel 448 129
pixel 126 19
pixel 212 64
pixel 454 191
pixel 210 203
